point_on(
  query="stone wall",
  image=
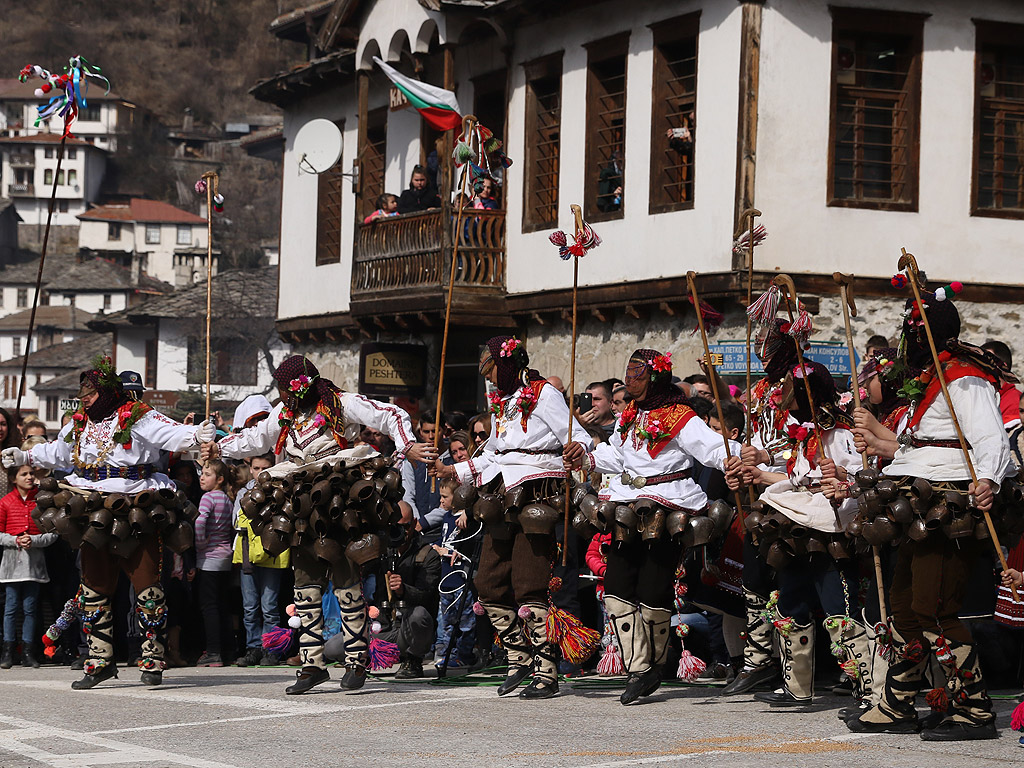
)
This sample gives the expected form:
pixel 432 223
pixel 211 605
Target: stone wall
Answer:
pixel 62 239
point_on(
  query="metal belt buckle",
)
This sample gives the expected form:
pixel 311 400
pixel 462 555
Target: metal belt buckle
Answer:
pixel 638 482
pixel 904 439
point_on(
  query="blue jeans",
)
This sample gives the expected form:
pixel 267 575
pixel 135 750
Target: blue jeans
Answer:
pixel 25 594
pixel 447 619
pixel 260 592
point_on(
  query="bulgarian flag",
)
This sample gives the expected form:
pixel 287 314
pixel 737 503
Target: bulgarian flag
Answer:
pixel 438 107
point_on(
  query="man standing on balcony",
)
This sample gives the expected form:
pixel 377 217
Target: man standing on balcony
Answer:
pixel 420 196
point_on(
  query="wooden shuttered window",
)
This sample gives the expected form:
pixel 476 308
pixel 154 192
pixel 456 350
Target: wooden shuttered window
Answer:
pixel 374 154
pixel 876 109
pixel 543 142
pixel 674 112
pixel 998 179
pixel 328 214
pixel 606 128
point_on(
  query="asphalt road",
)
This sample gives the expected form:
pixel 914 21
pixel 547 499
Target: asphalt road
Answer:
pixel 236 718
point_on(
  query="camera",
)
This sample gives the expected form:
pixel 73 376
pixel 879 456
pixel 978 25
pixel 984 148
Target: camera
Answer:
pixel 583 402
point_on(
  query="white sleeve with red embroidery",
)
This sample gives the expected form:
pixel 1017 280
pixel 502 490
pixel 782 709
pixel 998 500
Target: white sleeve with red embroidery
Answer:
pixel 606 457
pixel 704 444
pixel 159 431
pixel 552 410
pixel 255 440
pixel 389 419
pixel 55 454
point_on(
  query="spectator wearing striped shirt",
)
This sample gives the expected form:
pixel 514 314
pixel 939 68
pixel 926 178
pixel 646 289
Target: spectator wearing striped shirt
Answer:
pixel 214 532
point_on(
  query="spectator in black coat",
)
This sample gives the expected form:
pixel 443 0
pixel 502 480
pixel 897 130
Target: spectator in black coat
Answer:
pixel 420 195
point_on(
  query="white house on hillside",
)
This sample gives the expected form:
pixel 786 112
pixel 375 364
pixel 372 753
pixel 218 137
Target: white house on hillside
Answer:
pixel 54 325
pixel 166 242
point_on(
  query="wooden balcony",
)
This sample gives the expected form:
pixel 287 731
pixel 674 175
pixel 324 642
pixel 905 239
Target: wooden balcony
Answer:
pixel 401 266
pixel 25 160
pixel 21 190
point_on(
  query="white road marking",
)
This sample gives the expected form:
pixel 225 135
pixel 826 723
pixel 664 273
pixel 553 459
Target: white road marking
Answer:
pixel 119 752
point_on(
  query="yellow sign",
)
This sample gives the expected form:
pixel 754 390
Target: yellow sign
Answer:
pixel 393 370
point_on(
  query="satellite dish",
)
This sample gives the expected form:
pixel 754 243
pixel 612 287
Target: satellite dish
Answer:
pixel 318 144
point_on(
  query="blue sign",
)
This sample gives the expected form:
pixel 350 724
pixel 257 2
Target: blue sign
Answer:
pixel 730 357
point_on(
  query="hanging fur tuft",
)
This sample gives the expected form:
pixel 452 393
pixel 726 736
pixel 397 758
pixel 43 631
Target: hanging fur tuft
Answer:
pixel 576 641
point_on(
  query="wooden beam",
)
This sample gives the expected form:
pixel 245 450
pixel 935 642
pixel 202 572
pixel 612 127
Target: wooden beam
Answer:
pixel 424 318
pixel 401 322
pixel 379 323
pixel 632 311
pixel 347 334
pixel 599 315
pixel 331 336
pixel 667 308
pixel 746 140
pixel 537 318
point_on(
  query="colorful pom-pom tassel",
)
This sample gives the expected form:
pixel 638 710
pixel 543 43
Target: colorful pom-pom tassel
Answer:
pixel 277 640
pixel 373 612
pixel 763 310
pixel 576 641
pixel 376 627
pixel 690 667
pixel 478 608
pixel 383 655
pixel 611 662
pixel 294 622
pixel 1017 718
pixel 558 238
pixel 937 699
pixel 899 281
pixel 290 610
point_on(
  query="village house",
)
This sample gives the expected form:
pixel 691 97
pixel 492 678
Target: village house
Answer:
pixel 856 129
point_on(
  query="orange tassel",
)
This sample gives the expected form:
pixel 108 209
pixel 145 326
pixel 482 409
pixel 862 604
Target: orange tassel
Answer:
pixel 576 641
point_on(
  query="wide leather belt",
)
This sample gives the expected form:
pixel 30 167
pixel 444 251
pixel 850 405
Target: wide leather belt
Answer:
pixel 531 451
pixel 642 482
pixel 137 472
pixel 915 442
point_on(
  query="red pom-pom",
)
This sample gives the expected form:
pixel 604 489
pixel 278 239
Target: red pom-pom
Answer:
pixel 557 238
pixel 373 611
pixel 899 281
pixel 478 608
pixel 957 286
pixel 46 88
pixel 937 699
pixel 555 585
pixel 50 651
pixel 1017 718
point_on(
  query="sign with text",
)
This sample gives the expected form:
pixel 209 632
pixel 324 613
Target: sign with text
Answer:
pixel 69 404
pixel 161 398
pixel 831 354
pixel 392 370
pixel 396 99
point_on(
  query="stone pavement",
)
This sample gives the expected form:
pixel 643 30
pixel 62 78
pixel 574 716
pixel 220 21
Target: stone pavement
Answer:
pixel 236 718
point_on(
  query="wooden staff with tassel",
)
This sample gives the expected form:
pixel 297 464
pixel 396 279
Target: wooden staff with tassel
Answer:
pixel 845 283
pixel 909 263
pixel 692 285
pixel 212 181
pixel 749 215
pixel 39 280
pixel 468 122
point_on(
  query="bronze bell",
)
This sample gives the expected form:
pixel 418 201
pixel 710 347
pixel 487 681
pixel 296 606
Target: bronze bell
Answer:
pixel 721 514
pixel 318 523
pixel 282 524
pixel 179 537
pixel 578 493
pixel 180 498
pixel 871 501
pixel 867 532
pixel 321 493
pixel 249 505
pixel 981 531
pixel 702 530
pixel 264 479
pixel 920 507
pixel 937 516
pixel 464 497
pixel 855 527
pixel 538 518
pixel 46 519
pixel 488 509
pixel 364 549
pixel 778 555
pixel 44 499
pixel 362 492
pixel 351 522
pixel 158 514
pixel 866 478
pixel 61 498
pixel 557 501
pixel 676 524
pixel 886 489
pixel 959 527
pixel 917 530
pixel 101 519
pixel 120 529
pixel 337 482
pixel 278 497
pixel 838 548
pixel 299 476
pixel 76 505
pixel 166 496
pixel 900 510
pixel 513 501
pixel 589 508
pixel 335 508
pixel 49 484
pixel 393 483
pixel 93 501
pixel 273 542
pixel 353 475
pixel 96 537
pixel 606 513
pixel 885 530
pixel 329 550
pixel 921 489
pixel 138 521
pixel 956 501
pixel 652 523
pixel 1011 491
pixel 815 546
pixel 627 523
pixel 753 519
pixel 301 506
pixel 258 496
pixel 143 499
pixel 582 526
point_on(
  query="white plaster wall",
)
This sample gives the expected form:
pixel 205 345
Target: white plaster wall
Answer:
pixel 92 235
pixel 792 155
pixel 386 17
pixel 91 301
pixel 638 246
pixel 130 354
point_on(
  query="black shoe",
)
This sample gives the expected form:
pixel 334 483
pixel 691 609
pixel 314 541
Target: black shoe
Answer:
pixel 250 658
pixel 643 684
pixel 78 663
pixel 515 678
pixel 28 659
pixel 906 725
pixel 540 689
pixel 844 687
pixel 306 678
pixel 269 660
pixel 355 676
pixel 848 713
pixel 152 677
pixel 91 681
pixel 749 679
pixel 411 669
pixel 781 698
pixel 954 730
pixel 7 658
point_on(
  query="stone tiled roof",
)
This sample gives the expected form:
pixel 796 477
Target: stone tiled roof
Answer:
pixel 101 275
pixel 71 355
pixel 64 317
pixel 236 294
pixel 65 382
pixel 24 272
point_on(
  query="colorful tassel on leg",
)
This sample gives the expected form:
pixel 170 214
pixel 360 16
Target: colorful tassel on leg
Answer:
pixel 576 641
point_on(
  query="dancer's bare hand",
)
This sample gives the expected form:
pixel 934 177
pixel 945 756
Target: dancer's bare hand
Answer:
pixel 983 493
pixel 572 456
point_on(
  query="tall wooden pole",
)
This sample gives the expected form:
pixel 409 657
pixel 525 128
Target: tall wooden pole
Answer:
pixel 211 179
pixel 577 213
pixel 909 263
pixel 749 215
pixel 39 282
pixel 692 284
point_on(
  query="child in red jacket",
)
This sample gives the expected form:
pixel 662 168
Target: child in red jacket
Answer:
pixel 23 567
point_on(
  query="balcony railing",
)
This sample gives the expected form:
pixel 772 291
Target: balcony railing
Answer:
pixel 21 190
pixel 22 161
pixel 405 255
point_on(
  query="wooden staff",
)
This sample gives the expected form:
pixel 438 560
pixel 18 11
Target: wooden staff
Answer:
pixel 749 215
pixel 467 126
pixel 212 182
pixel 909 263
pixel 577 213
pixel 692 285
pixel 845 283
pixel 39 282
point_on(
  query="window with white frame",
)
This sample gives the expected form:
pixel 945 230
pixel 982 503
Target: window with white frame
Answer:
pixel 184 234
pixel 152 234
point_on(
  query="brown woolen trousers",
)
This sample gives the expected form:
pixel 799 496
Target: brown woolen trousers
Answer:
pixel 929 585
pixel 515 571
pixel 100 569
